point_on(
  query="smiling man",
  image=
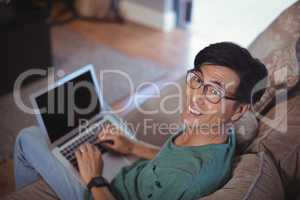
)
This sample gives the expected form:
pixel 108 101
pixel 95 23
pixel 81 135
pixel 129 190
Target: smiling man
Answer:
pixel 192 163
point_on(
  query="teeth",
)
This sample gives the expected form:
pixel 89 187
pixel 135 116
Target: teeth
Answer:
pixel 193 111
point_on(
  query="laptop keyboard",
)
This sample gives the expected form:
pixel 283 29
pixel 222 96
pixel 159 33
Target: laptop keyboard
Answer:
pixel 69 151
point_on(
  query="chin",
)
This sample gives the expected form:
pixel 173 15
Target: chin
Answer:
pixel 190 119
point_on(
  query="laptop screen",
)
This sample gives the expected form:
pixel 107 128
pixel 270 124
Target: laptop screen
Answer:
pixel 63 107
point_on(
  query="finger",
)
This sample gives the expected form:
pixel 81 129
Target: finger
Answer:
pixel 93 152
pixel 79 159
pixel 106 128
pixel 84 152
pixel 109 126
pixel 78 155
pixel 106 137
pixel 110 129
pixel 103 130
pixel 107 145
pixel 89 148
pixel 108 141
pixel 103 133
pixel 95 149
pixel 82 148
pixel 115 131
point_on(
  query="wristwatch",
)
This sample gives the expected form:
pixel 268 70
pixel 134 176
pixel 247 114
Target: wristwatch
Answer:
pixel 97 182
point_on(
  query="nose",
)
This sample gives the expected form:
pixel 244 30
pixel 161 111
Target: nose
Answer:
pixel 198 99
pixel 196 96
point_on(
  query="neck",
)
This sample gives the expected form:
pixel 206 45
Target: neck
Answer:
pixel 191 137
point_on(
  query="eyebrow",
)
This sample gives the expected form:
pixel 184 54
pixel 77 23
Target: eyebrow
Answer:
pixel 217 83
pixel 220 84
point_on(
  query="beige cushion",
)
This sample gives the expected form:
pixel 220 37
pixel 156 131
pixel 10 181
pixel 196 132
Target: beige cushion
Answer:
pixel 254 177
pixel 282 117
pixel 246 130
pixel 283 73
pixel 279 135
pixel 284 30
pixel 275 47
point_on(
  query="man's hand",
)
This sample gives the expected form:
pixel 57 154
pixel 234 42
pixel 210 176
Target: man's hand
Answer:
pixel 119 142
pixel 90 162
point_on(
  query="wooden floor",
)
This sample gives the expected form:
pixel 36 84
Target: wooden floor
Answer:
pixel 169 49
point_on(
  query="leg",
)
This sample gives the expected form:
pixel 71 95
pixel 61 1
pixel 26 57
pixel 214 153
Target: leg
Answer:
pixel 33 158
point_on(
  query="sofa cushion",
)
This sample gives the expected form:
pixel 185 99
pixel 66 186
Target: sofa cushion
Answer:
pixel 283 73
pixel 279 136
pixel 277 118
pixel 254 177
pixel 276 48
pixel 246 131
pixel 285 29
pixel 298 50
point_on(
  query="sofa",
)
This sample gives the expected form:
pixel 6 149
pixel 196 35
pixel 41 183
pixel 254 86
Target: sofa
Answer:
pixel 267 164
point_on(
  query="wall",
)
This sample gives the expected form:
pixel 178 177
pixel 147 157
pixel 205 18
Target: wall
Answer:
pixel 158 5
pixel 234 20
pixel 158 14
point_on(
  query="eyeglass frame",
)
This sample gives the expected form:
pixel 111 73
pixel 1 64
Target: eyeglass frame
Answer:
pixel 205 87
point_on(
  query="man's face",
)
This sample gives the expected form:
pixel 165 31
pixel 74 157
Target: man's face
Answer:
pixel 205 111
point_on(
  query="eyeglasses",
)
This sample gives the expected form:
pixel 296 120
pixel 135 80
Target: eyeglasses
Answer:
pixel 212 92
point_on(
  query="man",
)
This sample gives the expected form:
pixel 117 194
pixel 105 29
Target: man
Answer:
pixel 191 164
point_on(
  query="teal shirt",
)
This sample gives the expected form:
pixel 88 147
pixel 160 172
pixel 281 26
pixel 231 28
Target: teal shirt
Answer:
pixel 177 172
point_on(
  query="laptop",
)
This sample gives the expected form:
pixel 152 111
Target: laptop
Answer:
pixel 72 112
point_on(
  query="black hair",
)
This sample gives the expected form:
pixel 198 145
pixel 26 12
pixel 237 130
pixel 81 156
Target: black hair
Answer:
pixel 250 70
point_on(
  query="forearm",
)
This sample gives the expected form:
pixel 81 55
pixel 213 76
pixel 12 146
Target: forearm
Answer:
pixel 102 193
pixel 144 150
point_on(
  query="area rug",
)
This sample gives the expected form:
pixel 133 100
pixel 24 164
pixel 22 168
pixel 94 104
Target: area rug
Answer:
pixel 71 51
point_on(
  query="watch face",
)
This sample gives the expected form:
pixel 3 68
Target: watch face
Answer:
pixel 99 181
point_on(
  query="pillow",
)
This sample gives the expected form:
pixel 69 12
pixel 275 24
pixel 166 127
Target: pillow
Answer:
pixel 298 50
pixel 284 30
pixel 276 118
pixel 283 73
pixel 254 177
pixel 279 136
pixel 275 47
pixel 246 130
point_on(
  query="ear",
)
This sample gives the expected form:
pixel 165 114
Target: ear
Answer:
pixel 240 110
